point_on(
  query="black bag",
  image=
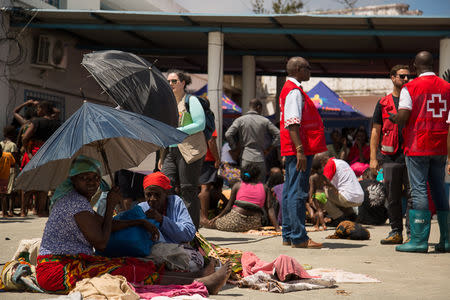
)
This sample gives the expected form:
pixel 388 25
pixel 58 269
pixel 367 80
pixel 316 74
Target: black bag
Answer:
pixel 210 124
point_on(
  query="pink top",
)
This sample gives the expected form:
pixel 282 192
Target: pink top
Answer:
pixel 253 193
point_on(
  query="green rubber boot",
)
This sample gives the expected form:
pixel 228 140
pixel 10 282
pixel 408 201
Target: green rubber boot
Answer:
pixel 420 231
pixel 444 228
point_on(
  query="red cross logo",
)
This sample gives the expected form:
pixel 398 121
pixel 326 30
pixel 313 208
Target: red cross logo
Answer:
pixel 436 105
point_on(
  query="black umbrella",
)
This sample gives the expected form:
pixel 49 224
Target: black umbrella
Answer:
pixel 134 84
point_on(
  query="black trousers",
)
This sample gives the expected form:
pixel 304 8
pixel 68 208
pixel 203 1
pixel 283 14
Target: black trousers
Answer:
pixel 397 185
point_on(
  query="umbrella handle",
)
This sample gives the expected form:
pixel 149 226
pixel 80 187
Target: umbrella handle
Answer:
pixel 106 163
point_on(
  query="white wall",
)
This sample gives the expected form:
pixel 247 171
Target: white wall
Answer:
pixel 29 3
pixel 65 83
pixel 79 4
pixel 143 5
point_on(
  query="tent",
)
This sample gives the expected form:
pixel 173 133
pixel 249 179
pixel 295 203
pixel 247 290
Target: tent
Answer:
pixel 334 110
pixel 229 108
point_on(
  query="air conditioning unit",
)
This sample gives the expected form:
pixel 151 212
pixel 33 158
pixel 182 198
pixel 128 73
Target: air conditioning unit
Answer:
pixel 51 52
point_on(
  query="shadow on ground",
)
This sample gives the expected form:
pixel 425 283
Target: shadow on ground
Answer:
pixel 342 245
pixel 16 220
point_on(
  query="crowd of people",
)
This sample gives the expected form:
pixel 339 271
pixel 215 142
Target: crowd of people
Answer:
pixel 309 181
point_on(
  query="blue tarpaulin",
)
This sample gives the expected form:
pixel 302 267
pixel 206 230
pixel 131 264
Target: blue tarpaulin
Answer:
pixel 228 106
pixel 334 110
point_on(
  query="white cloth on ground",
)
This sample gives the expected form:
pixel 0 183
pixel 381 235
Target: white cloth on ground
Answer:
pixel 343 276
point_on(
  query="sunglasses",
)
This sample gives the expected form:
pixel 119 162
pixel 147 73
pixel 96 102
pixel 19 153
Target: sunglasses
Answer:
pixel 403 76
pixel 172 81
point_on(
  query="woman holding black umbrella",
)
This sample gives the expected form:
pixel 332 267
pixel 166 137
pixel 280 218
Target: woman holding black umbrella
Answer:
pixel 182 163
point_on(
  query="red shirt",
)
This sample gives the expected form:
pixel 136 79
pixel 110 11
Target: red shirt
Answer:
pixel 209 156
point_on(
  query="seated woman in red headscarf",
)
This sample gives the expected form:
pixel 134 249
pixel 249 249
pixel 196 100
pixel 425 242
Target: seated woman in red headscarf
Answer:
pixel 169 210
pixel 74 229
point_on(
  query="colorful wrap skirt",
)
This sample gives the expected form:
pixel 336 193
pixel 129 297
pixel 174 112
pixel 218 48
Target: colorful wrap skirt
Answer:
pixel 237 222
pixel 60 273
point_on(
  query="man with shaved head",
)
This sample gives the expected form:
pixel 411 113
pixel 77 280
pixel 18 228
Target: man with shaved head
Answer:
pixel 301 136
pixel 423 108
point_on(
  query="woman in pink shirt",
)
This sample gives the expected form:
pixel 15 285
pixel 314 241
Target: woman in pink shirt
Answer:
pixel 248 201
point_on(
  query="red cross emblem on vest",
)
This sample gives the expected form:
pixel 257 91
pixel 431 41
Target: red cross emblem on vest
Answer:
pixel 436 105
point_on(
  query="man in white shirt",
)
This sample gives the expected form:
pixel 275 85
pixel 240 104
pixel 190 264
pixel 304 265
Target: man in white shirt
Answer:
pixel 342 189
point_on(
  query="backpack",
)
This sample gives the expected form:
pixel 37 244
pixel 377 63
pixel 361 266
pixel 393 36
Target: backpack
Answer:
pixel 210 125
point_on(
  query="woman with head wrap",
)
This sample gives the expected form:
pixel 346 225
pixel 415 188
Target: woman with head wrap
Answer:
pixel 74 229
pixel 169 210
pixel 248 200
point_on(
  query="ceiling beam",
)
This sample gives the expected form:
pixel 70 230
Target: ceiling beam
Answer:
pixel 294 41
pixel 240 30
pixel 132 33
pixel 279 53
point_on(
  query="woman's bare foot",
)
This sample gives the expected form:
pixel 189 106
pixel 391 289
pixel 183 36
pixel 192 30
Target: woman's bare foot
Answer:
pixel 215 281
pixel 210 268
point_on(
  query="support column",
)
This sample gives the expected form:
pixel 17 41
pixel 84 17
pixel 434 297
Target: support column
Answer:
pixel 444 68
pixel 248 81
pixel 444 57
pixel 215 79
pixel 280 83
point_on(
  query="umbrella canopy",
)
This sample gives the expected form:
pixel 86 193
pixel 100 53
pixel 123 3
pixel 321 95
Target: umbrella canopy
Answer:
pixel 134 84
pixel 127 139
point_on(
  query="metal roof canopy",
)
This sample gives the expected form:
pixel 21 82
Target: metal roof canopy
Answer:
pixel 336 46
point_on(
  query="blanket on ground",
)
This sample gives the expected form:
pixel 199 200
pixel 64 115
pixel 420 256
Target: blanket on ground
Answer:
pixel 152 291
pixel 223 254
pixel 268 283
pixel 264 231
pixel 106 287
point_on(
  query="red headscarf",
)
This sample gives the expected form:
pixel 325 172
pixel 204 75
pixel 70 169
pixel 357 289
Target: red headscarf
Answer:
pixel 158 179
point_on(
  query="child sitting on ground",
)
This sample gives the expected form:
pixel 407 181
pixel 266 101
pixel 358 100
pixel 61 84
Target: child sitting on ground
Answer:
pixel 316 195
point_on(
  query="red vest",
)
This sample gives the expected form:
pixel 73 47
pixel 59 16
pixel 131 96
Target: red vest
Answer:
pixel 389 132
pixel 311 128
pixel 426 131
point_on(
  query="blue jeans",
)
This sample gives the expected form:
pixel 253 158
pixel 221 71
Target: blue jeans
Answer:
pixel 423 169
pixel 295 195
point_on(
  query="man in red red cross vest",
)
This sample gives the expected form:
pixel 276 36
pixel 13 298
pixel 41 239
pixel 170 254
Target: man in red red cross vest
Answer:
pixel 391 156
pixel 423 107
pixel 301 136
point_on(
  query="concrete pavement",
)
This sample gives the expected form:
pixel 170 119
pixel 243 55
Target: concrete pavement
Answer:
pixel 402 275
